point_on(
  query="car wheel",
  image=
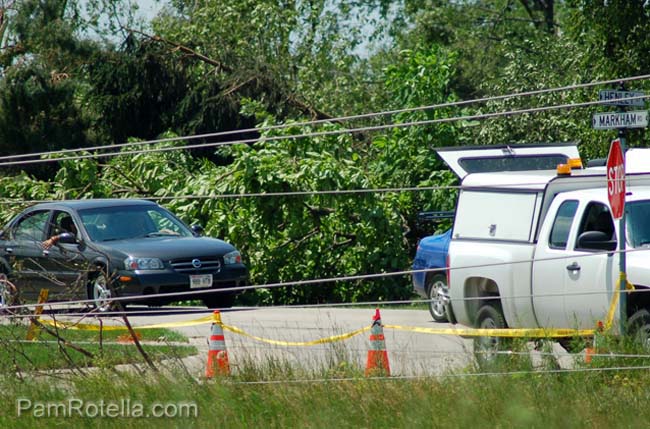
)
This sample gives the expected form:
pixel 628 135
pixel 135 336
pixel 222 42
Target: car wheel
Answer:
pixel 99 292
pixel 639 328
pixel 486 349
pixel 8 294
pixel 435 292
pixel 5 294
pixel 218 300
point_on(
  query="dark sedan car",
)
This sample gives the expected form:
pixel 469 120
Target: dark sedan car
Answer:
pixel 97 249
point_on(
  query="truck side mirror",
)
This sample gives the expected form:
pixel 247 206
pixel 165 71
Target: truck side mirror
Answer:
pixel 596 240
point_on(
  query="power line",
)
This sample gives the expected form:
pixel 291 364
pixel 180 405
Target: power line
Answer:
pixel 310 282
pixel 481 116
pixel 459 375
pixel 343 118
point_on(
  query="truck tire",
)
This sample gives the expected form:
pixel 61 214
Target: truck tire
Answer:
pixel 435 287
pixel 639 328
pixel 486 349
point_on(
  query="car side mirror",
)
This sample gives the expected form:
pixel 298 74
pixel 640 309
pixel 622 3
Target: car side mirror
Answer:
pixel 197 229
pixel 596 240
pixel 67 238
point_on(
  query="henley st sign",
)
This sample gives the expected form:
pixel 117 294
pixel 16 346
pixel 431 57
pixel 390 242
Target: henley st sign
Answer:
pixel 622 98
pixel 613 120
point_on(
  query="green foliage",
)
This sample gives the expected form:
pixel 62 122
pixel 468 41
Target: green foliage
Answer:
pixel 224 65
pixel 405 156
pixel 38 113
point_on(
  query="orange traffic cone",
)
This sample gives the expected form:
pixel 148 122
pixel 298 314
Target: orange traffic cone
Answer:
pixel 377 355
pixel 593 350
pixel 217 353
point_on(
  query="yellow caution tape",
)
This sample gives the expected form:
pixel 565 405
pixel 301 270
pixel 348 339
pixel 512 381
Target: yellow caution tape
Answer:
pixel 614 304
pixel 500 332
pixel 89 327
pixel 331 339
pixel 463 332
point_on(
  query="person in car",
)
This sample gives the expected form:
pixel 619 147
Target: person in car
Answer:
pixel 66 226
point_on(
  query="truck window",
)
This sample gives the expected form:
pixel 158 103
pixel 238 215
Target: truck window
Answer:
pixel 636 221
pixel 512 163
pixel 562 224
pixel 596 218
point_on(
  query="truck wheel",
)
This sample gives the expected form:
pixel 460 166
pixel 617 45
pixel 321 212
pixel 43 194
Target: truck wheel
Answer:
pixel 436 286
pixel 639 328
pixel 486 349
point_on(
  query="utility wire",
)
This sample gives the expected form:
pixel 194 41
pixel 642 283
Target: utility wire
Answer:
pixel 313 134
pixel 597 179
pixel 459 375
pixel 344 118
pixel 310 282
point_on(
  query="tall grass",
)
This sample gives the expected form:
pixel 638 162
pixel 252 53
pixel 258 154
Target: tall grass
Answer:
pixel 516 392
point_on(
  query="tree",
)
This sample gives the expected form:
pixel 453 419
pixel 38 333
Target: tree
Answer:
pixel 43 89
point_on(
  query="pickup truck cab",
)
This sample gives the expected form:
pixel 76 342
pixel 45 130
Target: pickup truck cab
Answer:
pixel 538 249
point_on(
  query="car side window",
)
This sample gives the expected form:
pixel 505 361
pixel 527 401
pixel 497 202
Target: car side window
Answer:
pixel 31 227
pixel 562 224
pixel 62 222
pixel 596 218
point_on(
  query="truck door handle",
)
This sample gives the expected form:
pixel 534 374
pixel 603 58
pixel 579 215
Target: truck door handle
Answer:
pixel 46 253
pixel 573 267
pixel 9 250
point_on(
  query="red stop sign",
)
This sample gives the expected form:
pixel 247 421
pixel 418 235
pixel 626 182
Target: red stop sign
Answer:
pixel 616 179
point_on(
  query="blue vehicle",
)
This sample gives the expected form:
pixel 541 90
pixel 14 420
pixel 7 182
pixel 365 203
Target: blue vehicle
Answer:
pixel 432 254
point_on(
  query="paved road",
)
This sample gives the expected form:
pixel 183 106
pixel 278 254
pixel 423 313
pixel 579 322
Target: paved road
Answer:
pixel 409 353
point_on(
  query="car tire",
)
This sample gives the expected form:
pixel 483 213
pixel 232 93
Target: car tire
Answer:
pixel 436 285
pixel 99 291
pixel 638 327
pixel 486 349
pixel 218 300
pixel 5 292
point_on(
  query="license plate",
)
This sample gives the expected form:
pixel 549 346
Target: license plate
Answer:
pixel 200 281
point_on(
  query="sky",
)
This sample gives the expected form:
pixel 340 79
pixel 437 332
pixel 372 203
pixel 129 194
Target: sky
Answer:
pixel 149 8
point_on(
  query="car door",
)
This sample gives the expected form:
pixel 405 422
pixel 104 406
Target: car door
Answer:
pixel 24 252
pixel 549 268
pixel 591 273
pixel 65 263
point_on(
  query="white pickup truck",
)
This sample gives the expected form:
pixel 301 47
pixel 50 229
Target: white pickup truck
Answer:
pixel 538 249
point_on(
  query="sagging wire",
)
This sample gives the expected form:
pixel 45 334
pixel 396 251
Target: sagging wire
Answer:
pixel 344 118
pixel 312 134
pixel 310 282
pixel 458 375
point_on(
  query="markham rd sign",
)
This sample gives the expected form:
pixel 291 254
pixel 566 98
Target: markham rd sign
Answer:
pixel 616 179
pixel 613 120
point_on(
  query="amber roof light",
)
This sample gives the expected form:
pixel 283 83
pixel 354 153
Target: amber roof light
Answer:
pixel 563 170
pixel 575 163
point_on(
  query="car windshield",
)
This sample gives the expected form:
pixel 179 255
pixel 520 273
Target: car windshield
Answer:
pixel 636 222
pixel 127 222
